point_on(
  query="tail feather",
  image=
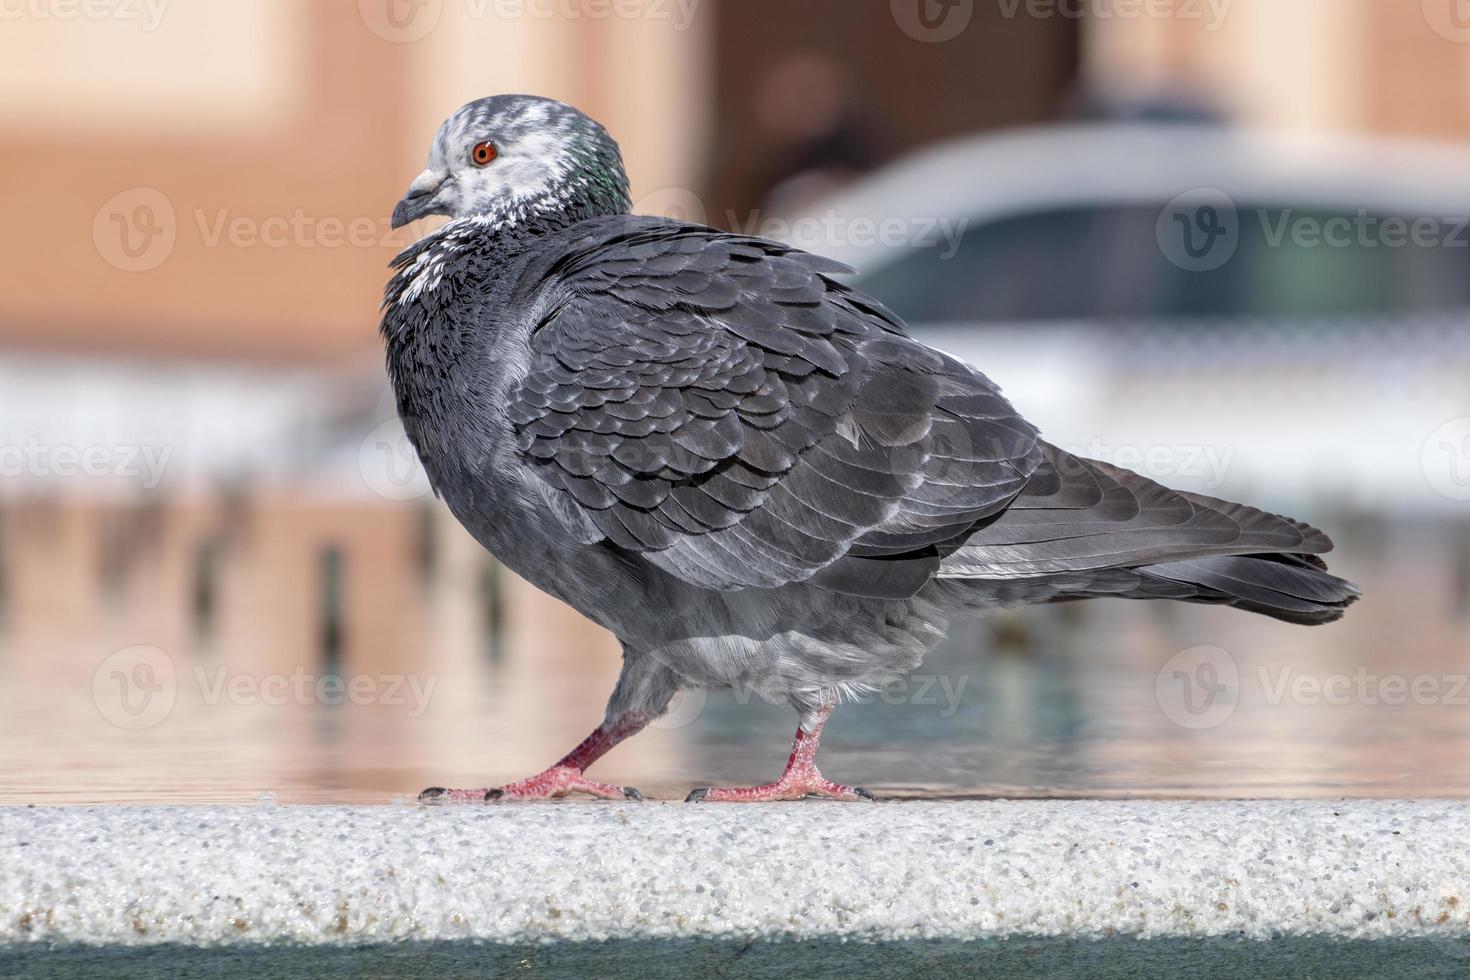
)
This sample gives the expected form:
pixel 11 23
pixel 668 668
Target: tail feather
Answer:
pixel 1083 528
pixel 1285 587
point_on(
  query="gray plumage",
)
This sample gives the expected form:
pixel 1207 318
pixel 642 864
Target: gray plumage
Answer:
pixel 741 466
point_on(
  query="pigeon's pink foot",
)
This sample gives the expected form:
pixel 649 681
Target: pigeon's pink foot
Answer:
pixel 438 794
pixel 553 784
pixel 801 778
pixel 557 782
pixel 560 780
pixel 782 789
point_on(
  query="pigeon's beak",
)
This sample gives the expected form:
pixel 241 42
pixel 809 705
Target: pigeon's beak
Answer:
pixel 421 199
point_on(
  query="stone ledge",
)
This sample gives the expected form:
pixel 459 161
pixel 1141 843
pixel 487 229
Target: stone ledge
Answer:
pixel 575 872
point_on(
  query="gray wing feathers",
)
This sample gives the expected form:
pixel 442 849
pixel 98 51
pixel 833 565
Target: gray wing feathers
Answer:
pixel 719 406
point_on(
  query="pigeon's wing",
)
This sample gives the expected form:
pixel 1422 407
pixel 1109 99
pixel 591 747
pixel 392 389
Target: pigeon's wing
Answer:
pixel 719 406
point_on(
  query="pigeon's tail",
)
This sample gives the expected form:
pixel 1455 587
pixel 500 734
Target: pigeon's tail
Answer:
pixel 1293 588
pixel 1084 529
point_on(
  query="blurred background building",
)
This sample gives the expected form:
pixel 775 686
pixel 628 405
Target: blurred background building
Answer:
pixel 199 451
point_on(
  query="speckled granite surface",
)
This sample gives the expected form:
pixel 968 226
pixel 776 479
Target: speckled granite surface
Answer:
pixel 930 872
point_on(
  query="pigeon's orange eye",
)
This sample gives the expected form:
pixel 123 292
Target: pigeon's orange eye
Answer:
pixel 483 154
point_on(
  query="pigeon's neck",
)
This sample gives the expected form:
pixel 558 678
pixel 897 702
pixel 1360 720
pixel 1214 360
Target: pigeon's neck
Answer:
pixel 500 232
pixel 594 193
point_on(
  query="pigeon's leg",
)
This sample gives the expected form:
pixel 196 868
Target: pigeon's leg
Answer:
pixel 643 693
pixel 801 778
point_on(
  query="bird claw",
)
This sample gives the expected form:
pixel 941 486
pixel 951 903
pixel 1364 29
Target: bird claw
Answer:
pixel 438 795
pixel 538 789
pixel 553 784
pixel 785 789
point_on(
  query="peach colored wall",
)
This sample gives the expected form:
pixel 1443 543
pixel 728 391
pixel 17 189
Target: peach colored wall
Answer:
pixel 269 150
pixel 1391 66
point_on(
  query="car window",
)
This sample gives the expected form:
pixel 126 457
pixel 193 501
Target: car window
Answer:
pixel 1117 262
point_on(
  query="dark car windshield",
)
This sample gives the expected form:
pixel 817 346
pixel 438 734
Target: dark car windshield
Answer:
pixel 1124 262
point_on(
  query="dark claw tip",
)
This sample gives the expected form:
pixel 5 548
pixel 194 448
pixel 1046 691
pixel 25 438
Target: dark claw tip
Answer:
pixel 431 794
pixel 866 794
pixel 491 795
pixel 632 793
pixel 697 795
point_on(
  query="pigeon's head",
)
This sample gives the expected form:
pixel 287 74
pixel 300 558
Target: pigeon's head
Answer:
pixel 510 157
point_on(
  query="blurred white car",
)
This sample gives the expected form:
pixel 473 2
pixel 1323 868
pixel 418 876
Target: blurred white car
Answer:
pixel 1253 315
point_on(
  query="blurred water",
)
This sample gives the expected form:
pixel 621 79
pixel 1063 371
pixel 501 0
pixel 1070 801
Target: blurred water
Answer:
pixel 450 674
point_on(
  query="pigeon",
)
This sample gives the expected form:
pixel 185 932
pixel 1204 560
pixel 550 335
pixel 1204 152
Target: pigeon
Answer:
pixel 741 466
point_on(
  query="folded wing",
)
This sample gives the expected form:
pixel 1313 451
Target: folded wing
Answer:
pixel 720 406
